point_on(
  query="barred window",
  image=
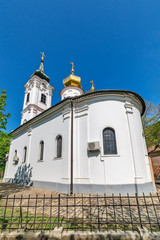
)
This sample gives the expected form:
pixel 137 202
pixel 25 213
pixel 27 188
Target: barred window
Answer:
pixel 41 150
pixel 59 146
pixel 25 154
pixel 109 141
pixel 28 95
pixel 43 98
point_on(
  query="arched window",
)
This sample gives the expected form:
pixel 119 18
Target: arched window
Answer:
pixel 25 154
pixel 109 141
pixel 59 146
pixel 41 150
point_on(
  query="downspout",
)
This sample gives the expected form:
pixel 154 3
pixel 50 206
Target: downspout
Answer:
pixel 132 150
pixel 134 164
pixel 71 183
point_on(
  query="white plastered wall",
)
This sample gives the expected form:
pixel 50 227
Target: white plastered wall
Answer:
pixel 51 168
pixel 18 144
pixel 91 116
pixel 96 168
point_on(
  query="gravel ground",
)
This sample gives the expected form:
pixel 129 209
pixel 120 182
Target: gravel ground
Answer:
pixel 41 202
pixel 18 190
pixel 10 189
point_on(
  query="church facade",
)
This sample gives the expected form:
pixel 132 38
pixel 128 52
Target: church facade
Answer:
pixel 87 143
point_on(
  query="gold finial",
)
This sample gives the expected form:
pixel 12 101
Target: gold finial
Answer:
pixel 72 71
pixel 92 88
pixel 42 58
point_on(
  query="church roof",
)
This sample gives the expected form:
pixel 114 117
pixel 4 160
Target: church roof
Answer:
pixel 40 72
pixel 89 94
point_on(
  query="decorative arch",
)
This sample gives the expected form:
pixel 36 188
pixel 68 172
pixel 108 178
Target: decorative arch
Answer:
pixel 109 141
pixel 59 146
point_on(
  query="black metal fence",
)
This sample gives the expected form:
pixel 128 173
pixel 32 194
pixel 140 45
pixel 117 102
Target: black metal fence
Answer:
pixel 80 212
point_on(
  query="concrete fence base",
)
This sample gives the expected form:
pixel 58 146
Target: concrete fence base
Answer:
pixel 58 233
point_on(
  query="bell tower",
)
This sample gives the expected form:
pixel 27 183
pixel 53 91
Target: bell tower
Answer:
pixel 72 85
pixel 38 94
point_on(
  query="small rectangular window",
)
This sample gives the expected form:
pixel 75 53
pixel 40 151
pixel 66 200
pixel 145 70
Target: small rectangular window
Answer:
pixel 41 150
pixel 59 146
pixel 25 154
pixel 43 98
pixel 28 95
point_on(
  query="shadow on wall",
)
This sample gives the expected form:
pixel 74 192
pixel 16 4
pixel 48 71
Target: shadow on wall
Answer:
pixel 23 176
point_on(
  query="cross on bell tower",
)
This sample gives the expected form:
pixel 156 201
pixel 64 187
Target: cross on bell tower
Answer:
pixel 38 93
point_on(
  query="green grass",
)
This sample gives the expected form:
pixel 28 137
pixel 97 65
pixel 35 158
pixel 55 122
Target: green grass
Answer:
pixel 13 218
pixel 26 221
pixel 30 222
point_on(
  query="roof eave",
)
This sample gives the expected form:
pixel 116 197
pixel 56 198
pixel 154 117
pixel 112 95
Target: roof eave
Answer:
pixel 83 96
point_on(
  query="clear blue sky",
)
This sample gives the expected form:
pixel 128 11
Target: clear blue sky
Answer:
pixel 116 43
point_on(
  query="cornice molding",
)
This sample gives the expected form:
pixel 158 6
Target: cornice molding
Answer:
pixel 32 106
pixel 37 81
pixel 42 116
pixel 79 99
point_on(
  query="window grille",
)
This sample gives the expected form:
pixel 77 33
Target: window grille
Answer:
pixel 25 154
pixel 43 98
pixel 41 150
pixel 59 146
pixel 28 95
pixel 109 141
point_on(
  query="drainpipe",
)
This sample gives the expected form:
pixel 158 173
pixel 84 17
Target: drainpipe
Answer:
pixel 132 148
pixel 71 183
pixel 133 157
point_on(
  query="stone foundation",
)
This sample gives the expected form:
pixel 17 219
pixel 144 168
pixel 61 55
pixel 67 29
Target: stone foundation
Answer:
pixel 58 233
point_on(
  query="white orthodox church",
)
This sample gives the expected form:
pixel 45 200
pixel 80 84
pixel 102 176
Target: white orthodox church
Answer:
pixel 87 143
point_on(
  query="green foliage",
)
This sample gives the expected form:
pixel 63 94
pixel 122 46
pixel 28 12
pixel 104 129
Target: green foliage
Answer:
pixel 151 124
pixel 4 137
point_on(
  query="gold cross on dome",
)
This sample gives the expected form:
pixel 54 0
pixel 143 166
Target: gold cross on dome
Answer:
pixel 92 88
pixel 92 83
pixel 42 55
pixel 72 71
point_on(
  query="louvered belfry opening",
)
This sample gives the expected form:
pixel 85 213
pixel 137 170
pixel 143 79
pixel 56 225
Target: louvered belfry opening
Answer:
pixel 43 98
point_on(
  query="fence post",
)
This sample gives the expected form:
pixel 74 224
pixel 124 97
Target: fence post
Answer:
pixel 139 213
pixel 59 202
